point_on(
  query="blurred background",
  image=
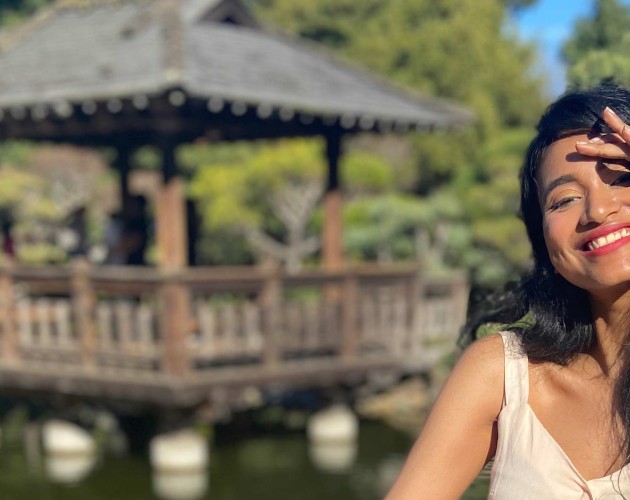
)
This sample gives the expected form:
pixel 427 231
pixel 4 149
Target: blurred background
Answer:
pixel 242 274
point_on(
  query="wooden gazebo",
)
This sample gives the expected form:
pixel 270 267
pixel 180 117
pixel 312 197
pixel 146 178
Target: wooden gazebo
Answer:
pixel 163 73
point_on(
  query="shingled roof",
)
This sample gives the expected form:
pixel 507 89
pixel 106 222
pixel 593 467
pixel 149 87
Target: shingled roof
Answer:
pixel 73 57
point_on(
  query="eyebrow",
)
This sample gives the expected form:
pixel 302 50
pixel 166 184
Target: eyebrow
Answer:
pixel 563 179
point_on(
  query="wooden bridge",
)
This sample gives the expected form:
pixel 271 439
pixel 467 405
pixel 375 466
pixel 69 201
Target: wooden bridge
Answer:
pixel 186 337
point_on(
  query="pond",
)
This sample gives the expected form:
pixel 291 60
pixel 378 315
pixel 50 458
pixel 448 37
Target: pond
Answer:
pixel 263 466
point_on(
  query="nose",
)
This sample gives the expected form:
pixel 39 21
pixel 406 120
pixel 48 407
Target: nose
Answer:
pixel 601 203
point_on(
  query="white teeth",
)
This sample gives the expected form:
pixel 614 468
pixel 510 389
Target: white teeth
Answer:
pixel 608 239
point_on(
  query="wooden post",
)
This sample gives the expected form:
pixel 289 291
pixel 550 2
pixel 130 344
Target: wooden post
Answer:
pixel 84 311
pixel 270 301
pixel 175 323
pixel 332 237
pixel 349 316
pixel 10 344
pixel 172 259
pixel 171 219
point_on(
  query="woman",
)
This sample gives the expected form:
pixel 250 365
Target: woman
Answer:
pixel 550 399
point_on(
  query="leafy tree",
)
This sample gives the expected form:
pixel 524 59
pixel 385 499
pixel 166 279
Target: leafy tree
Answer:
pixel 598 50
pixel 270 195
pixel 13 11
pixel 41 187
pixel 457 49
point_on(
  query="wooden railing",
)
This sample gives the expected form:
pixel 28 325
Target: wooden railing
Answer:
pixel 139 322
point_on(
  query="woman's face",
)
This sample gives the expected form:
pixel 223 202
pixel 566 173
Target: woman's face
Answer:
pixel 585 203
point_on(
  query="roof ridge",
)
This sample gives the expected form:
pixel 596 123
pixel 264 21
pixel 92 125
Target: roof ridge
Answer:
pixel 168 13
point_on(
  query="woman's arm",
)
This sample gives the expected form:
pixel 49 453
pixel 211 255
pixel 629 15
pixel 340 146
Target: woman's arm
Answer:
pixel 460 435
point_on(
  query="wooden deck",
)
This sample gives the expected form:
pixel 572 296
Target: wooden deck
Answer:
pixel 203 334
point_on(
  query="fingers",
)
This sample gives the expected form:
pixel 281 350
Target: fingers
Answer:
pixel 610 146
pixel 617 124
pixel 616 151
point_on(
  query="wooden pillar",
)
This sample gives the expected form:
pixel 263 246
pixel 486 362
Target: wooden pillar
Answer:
pixel 84 310
pixel 332 237
pixel 170 213
pixel 10 345
pixel 174 323
pixel 270 301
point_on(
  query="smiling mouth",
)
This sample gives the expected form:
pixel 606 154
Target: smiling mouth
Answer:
pixel 610 238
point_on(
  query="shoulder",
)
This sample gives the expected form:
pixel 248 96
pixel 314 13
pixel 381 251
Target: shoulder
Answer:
pixel 477 378
pixel 485 357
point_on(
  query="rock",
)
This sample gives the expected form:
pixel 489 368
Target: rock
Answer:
pixel 335 424
pixel 180 451
pixel 65 439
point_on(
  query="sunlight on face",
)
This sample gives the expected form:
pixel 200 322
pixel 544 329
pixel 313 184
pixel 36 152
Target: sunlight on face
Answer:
pixel 585 203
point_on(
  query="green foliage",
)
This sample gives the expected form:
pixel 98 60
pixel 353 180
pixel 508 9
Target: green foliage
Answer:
pixel 40 186
pixel 456 49
pixel 241 192
pixel 365 173
pixel 598 50
pixel 14 11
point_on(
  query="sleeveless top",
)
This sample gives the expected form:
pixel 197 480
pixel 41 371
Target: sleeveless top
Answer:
pixel 529 463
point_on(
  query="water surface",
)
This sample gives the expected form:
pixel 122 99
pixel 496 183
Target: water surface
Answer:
pixel 266 466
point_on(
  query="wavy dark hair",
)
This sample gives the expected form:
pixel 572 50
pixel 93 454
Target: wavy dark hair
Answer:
pixel 560 322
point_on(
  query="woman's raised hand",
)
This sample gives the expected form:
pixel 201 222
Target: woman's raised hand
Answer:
pixel 615 145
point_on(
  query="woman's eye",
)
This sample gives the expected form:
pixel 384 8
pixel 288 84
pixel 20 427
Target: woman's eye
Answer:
pixel 562 203
pixel 622 180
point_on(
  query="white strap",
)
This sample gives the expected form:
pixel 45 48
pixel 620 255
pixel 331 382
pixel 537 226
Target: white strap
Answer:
pixel 516 370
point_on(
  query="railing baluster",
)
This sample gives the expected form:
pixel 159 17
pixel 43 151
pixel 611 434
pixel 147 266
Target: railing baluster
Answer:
pixel 349 330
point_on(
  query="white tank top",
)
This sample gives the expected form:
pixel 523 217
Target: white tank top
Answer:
pixel 529 463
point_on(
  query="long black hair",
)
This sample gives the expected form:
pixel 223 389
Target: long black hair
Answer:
pixel 559 320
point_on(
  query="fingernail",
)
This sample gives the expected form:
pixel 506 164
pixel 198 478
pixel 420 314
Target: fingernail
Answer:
pixel 610 111
pixel 597 140
pixel 582 143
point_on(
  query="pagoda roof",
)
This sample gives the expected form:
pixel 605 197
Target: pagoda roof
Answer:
pixel 81 55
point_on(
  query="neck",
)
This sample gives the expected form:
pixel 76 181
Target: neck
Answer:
pixel 611 324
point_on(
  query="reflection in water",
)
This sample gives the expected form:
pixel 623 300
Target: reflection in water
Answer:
pixel 69 469
pixel 264 467
pixel 180 485
pixel 334 457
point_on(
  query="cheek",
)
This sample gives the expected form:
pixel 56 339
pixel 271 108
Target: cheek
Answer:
pixel 554 233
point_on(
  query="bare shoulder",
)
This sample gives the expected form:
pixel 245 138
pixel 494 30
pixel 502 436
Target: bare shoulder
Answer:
pixel 484 362
pixel 475 385
pixel 489 349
